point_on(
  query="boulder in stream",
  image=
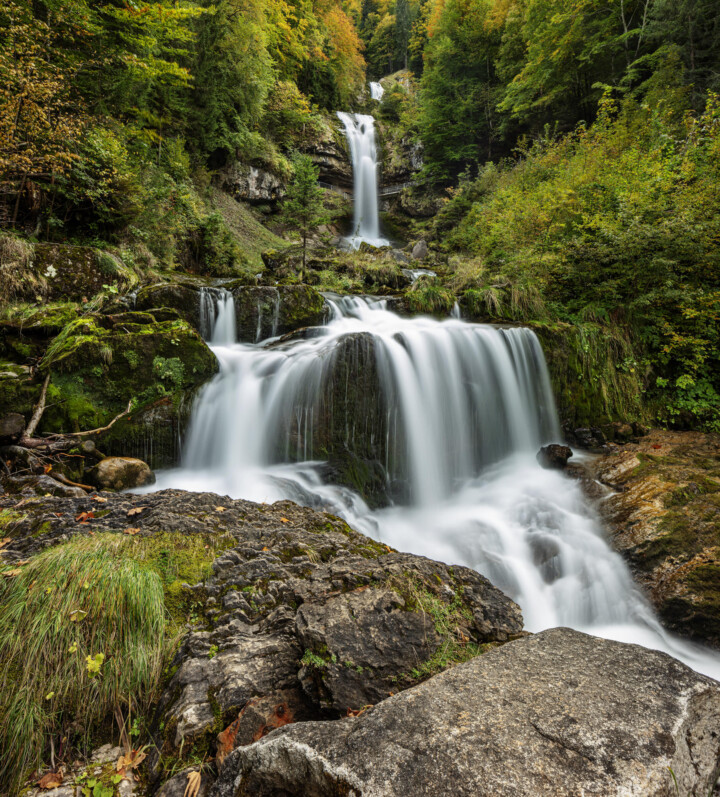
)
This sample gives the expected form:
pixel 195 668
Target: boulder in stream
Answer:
pixel 559 713
pixel 554 457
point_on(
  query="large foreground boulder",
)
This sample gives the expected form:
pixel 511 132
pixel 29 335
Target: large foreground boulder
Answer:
pixel 560 713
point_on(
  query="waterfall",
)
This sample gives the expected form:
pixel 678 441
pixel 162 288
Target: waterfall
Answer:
pixel 376 92
pixel 217 316
pixel 453 413
pixel 360 132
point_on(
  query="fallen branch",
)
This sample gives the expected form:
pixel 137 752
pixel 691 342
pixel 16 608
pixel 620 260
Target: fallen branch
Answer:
pixel 60 477
pixel 39 409
pixel 105 428
pixel 58 442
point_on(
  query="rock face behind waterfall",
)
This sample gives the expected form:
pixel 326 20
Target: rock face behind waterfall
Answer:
pixel 560 714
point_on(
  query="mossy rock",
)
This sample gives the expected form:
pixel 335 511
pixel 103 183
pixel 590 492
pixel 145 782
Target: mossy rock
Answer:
pixel 589 386
pixel 264 311
pixel 74 272
pixel 19 391
pixel 182 298
pixel 100 363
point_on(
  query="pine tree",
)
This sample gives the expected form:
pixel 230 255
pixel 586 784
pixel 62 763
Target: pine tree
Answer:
pixel 303 208
pixel 403 24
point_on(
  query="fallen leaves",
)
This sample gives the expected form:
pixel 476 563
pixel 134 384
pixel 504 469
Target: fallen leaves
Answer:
pixel 136 510
pixel 129 761
pixel 219 508
pixel 51 781
pixel 4 542
pixel 284 520
pixel 99 499
pixel 193 784
pixel 83 517
pixel 77 615
pixel 131 531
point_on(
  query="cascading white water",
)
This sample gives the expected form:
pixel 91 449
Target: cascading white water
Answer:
pixel 360 132
pixel 217 316
pixel 468 406
pixel 376 92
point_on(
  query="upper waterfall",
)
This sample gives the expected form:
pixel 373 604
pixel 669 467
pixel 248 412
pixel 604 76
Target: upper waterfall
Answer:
pixel 360 132
pixel 376 91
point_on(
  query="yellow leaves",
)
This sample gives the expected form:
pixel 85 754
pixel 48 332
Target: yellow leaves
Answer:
pixel 219 508
pixel 193 785
pixel 284 520
pixel 73 648
pixel 94 663
pixel 78 615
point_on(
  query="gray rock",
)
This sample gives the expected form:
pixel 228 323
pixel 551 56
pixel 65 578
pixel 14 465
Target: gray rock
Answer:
pixel 11 428
pixel 559 713
pixel 420 251
pixel 252 184
pixel 554 457
pixel 121 473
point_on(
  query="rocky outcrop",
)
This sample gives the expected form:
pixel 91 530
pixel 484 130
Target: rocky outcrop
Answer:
pixel 121 473
pixel 253 184
pixel 262 312
pixel 301 618
pixel 558 713
pixel 665 519
pixel 329 151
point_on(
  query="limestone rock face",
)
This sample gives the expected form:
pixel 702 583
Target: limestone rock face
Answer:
pixel 121 473
pixel 253 184
pixel 665 519
pixel 559 713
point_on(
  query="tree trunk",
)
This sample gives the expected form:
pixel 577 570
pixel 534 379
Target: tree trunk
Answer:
pixel 302 272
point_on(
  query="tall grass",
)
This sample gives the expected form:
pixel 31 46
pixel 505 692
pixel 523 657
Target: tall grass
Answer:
pixel 69 603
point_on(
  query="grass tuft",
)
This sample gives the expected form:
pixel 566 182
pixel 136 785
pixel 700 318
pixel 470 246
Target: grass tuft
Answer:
pixel 65 607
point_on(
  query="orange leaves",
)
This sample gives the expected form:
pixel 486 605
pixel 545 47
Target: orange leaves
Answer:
pixel 52 780
pixel 131 531
pixel 83 517
pixel 136 510
pixel 130 761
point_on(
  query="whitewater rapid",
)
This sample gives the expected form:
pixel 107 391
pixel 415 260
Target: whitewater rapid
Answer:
pixel 468 407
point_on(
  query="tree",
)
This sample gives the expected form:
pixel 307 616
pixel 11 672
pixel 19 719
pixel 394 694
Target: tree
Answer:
pixel 403 24
pixel 303 208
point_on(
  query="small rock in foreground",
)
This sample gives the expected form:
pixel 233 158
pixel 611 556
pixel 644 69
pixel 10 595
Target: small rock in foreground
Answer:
pixel 559 713
pixel 121 473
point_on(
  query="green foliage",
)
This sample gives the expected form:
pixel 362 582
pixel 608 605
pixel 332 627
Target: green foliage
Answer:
pixel 304 208
pixel 81 632
pixel 615 225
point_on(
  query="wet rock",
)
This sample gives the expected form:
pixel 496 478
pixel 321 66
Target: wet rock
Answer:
pixel 589 438
pixel 11 428
pixel 121 473
pixel 184 299
pixel 554 457
pixel 263 312
pixel 557 713
pixel 420 251
pixel 664 515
